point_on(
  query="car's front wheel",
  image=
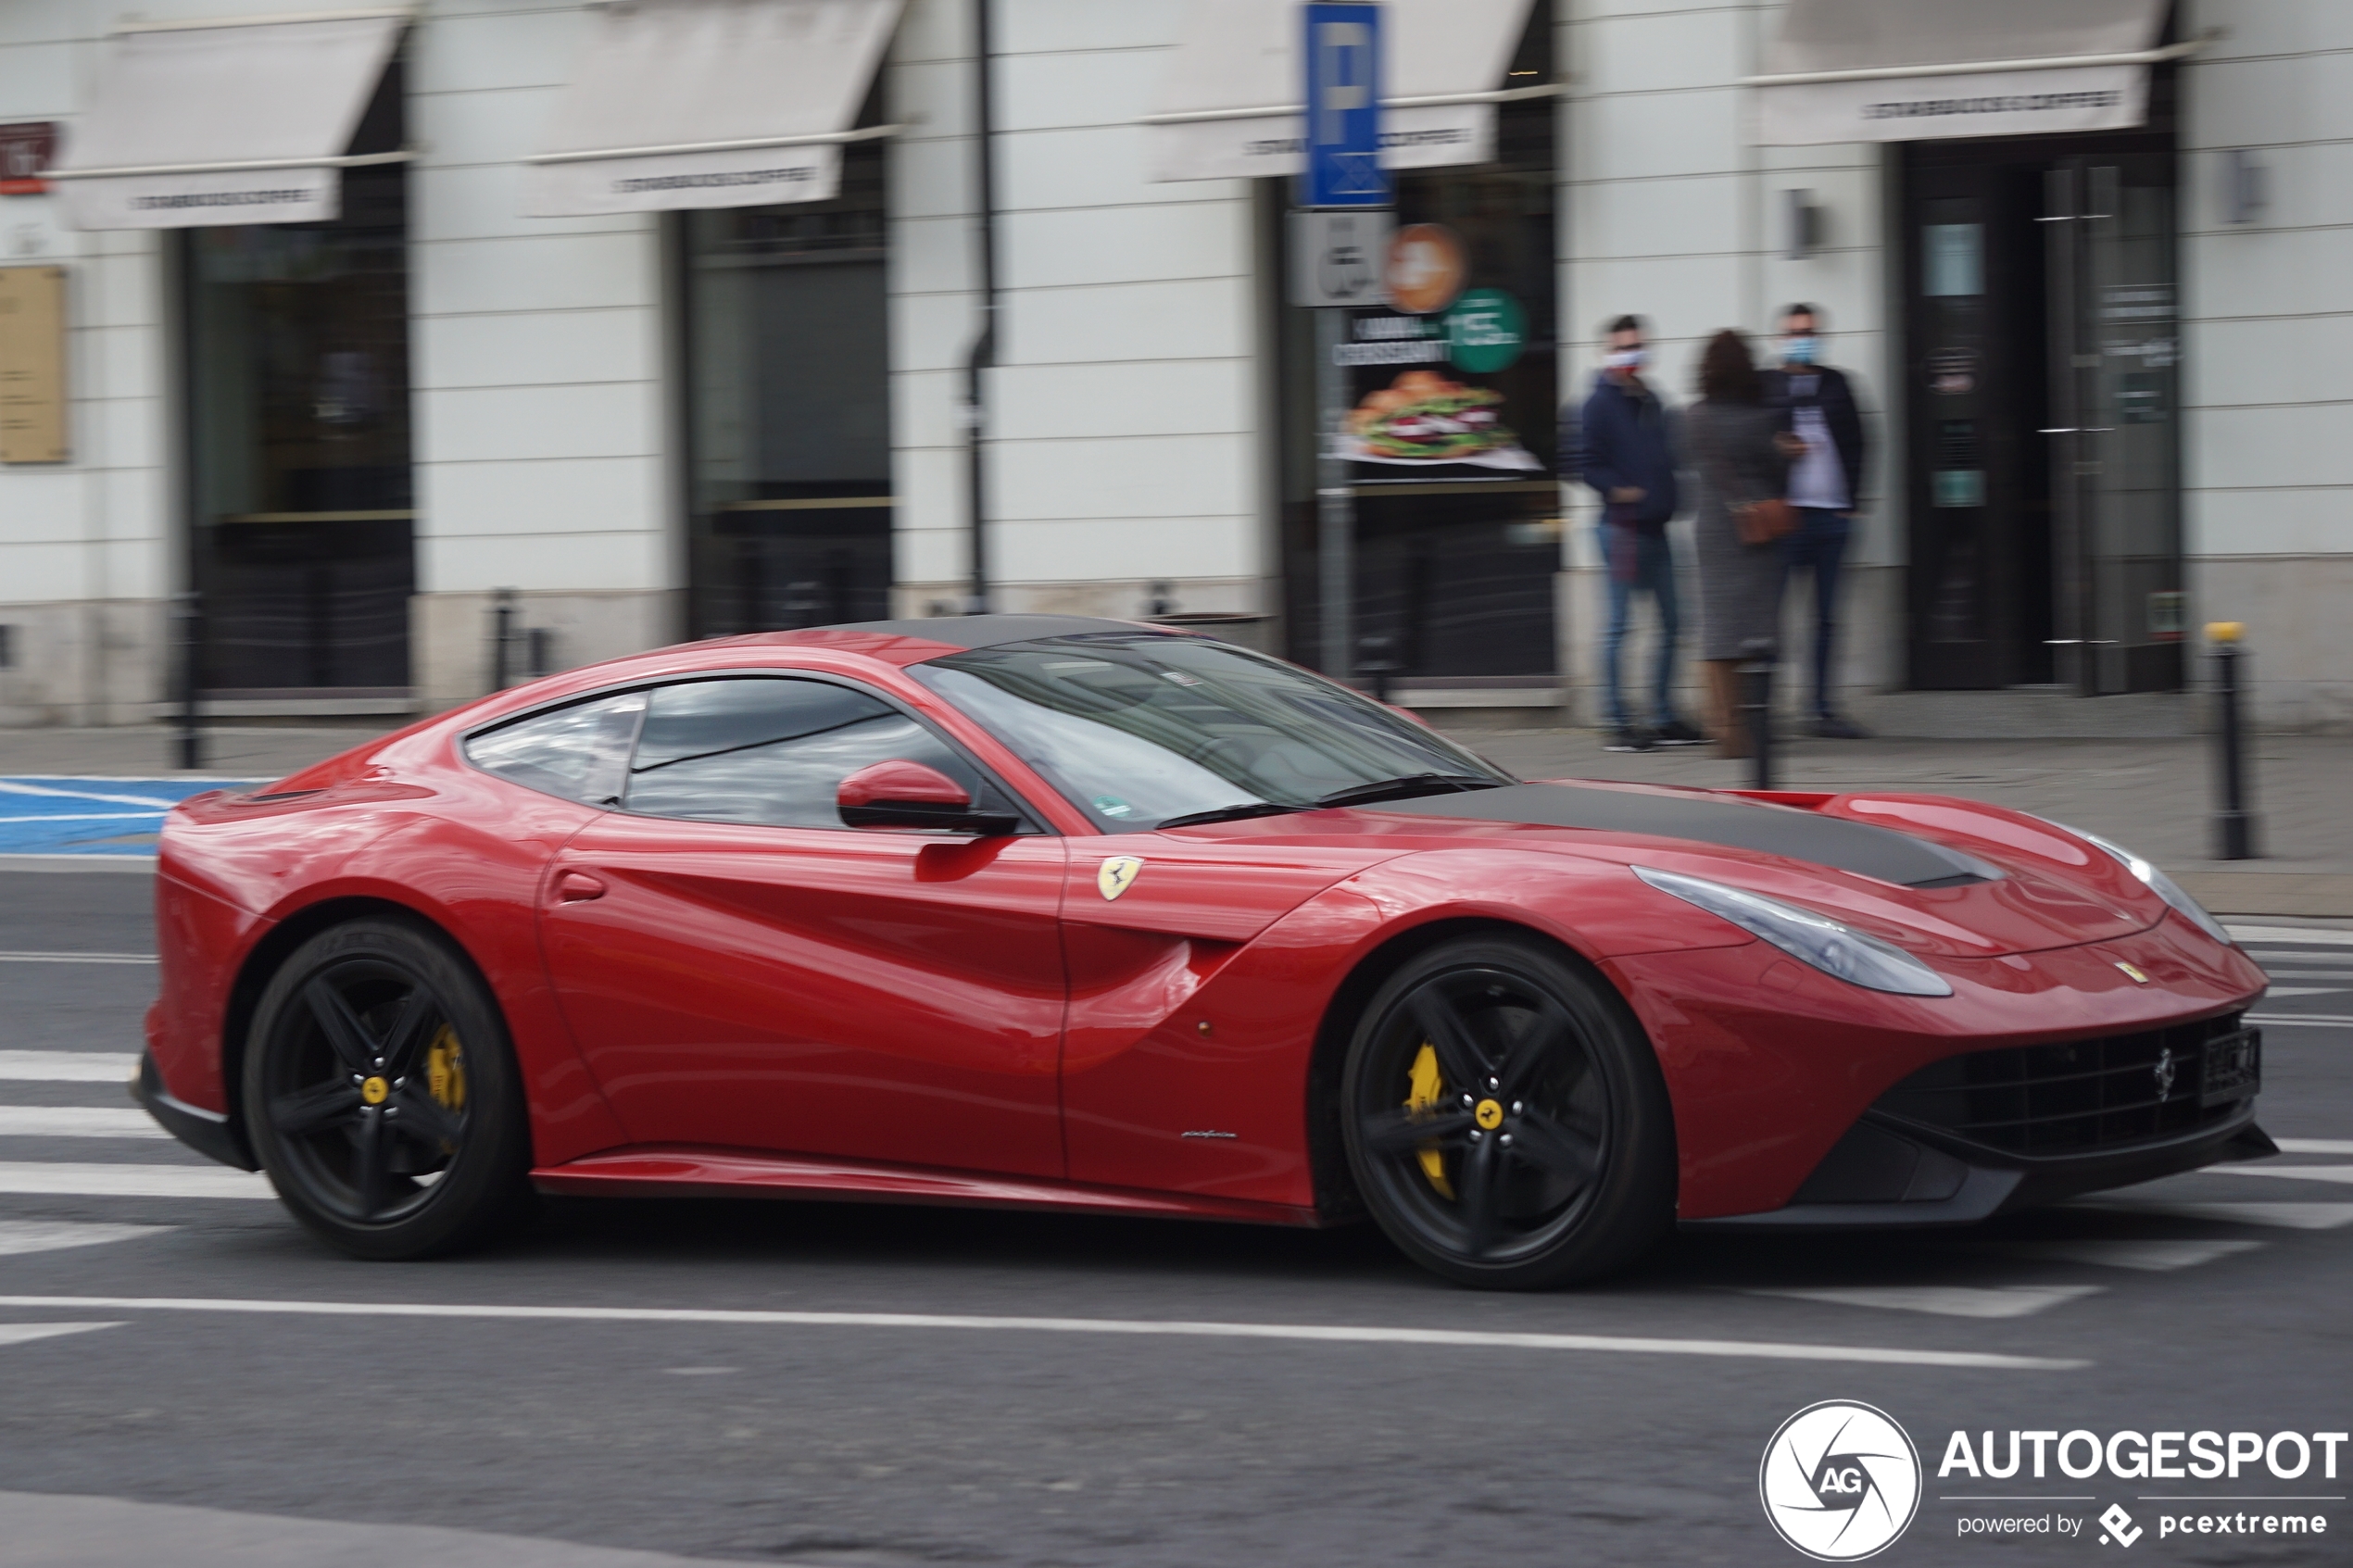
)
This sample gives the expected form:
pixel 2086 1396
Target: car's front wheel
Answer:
pixel 1505 1119
pixel 381 1096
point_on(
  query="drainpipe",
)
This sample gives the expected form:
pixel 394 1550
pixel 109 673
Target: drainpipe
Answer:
pixel 983 354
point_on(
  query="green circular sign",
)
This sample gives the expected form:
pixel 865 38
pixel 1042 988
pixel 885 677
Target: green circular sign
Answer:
pixel 1485 331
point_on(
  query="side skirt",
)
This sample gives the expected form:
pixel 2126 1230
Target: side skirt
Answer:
pixel 685 1172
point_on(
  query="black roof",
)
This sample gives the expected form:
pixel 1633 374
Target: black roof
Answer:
pixel 988 631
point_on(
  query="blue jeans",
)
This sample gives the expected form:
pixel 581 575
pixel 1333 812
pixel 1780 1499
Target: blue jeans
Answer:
pixel 1818 545
pixel 1650 571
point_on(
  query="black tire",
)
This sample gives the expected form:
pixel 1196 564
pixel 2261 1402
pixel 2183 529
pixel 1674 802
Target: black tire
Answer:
pixel 1505 1119
pixel 382 1095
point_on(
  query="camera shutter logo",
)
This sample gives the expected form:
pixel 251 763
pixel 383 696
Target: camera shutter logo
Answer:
pixel 1839 1481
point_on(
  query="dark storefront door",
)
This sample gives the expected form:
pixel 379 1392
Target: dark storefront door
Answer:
pixel 2041 351
pixel 788 350
pixel 2115 449
pixel 302 550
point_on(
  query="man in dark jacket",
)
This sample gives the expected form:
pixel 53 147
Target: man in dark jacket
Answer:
pixel 1824 486
pixel 1622 442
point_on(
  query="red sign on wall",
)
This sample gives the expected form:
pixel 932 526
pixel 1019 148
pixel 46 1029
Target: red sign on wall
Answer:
pixel 26 148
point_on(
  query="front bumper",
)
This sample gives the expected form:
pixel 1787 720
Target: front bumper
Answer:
pixel 1891 1175
pixel 209 1132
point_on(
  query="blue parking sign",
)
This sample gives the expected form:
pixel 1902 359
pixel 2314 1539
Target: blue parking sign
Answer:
pixel 1341 53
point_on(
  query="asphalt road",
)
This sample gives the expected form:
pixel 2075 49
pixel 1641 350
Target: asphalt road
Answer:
pixel 1631 1433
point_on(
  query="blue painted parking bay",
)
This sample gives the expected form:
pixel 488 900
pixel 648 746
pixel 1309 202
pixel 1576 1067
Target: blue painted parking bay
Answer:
pixel 82 816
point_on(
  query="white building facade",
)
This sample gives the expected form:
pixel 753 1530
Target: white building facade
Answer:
pixel 528 314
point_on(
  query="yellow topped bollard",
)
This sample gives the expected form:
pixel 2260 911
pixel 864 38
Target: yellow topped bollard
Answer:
pixel 2234 823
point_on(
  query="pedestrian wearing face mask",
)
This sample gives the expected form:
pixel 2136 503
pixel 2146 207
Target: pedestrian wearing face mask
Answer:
pixel 1622 444
pixel 1824 485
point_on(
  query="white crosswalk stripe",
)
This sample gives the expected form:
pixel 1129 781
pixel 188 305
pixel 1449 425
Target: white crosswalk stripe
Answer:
pixel 2315 1146
pixel 20 1333
pixel 64 1179
pixel 67 1067
pixel 50 1236
pixel 1946 1300
pixel 2282 1216
pixel 2150 1255
pixel 77 1122
pixel 2342 1174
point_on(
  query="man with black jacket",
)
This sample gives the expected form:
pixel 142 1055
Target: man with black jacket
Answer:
pixel 1824 485
pixel 1622 442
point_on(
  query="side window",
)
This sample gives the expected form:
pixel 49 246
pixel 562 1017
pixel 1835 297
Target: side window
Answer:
pixel 772 750
pixel 580 752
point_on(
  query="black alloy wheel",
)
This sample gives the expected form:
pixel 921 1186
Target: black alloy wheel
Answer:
pixel 381 1096
pixel 1505 1119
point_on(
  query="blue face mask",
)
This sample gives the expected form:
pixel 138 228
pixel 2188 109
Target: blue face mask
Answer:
pixel 1801 350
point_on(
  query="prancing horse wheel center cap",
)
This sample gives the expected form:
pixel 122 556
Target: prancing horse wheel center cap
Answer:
pixel 375 1090
pixel 1489 1114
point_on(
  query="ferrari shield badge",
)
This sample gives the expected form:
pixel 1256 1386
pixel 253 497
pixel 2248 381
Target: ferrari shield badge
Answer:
pixel 1118 875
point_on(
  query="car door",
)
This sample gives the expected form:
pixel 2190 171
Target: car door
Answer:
pixel 741 970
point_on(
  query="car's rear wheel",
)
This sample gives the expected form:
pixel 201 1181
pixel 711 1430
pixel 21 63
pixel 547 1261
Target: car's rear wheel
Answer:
pixel 1504 1117
pixel 381 1096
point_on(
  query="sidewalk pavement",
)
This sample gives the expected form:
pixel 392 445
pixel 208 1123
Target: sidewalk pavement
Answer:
pixel 2156 797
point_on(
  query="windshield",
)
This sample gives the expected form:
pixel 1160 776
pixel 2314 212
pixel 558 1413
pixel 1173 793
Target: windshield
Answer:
pixel 1141 730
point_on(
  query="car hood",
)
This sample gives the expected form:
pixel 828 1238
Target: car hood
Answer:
pixel 1940 877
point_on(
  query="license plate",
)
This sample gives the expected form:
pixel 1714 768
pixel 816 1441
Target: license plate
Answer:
pixel 2234 1067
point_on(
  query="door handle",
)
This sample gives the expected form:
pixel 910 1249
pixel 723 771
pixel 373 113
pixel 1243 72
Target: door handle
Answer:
pixel 574 887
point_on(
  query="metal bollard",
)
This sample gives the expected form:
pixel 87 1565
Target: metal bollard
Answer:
pixel 502 636
pixel 2233 824
pixel 539 644
pixel 1756 708
pixel 188 734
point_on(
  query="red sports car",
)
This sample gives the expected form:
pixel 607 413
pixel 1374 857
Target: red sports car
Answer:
pixel 1079 914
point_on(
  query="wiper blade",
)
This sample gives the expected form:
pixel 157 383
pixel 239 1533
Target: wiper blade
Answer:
pixel 1229 814
pixel 1406 788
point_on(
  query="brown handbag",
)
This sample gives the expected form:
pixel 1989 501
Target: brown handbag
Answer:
pixel 1761 522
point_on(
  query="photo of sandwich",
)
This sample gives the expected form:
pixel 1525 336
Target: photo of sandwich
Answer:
pixel 1424 416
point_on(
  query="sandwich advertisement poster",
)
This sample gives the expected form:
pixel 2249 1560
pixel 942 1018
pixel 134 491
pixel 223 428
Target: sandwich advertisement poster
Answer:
pixel 1420 370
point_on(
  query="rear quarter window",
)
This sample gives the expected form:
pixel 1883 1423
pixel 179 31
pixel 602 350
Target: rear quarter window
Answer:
pixel 580 752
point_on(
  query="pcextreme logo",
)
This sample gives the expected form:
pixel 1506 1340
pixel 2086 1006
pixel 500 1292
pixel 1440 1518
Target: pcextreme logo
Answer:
pixel 1839 1481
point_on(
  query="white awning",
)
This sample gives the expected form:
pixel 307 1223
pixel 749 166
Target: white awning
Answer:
pixel 710 103
pixel 1230 100
pixel 1910 70
pixel 243 120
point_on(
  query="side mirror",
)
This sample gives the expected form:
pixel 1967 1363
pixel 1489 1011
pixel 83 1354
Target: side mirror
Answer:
pixel 900 794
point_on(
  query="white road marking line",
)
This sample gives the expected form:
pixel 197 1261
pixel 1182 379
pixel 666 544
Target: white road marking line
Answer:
pixel 146 816
pixel 64 1180
pixel 1319 1333
pixel 2291 935
pixel 2315 1146
pixel 2152 1256
pixel 2284 1216
pixel 12 786
pixel 18 1332
pixel 67 1067
pixel 76 958
pixel 50 1236
pixel 77 1122
pixel 2308 1020
pixel 2278 991
pixel 2343 1175
pixel 1947 1300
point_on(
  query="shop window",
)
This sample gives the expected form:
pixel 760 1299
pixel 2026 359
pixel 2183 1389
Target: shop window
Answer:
pixel 1456 393
pixel 788 408
pixel 302 547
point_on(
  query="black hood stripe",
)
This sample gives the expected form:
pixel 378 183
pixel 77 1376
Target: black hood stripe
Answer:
pixel 1859 848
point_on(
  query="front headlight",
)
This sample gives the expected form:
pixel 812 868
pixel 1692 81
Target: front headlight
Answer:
pixel 2160 884
pixel 1833 949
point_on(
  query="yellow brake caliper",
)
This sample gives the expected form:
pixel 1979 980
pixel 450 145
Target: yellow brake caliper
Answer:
pixel 1427 1087
pixel 446 1074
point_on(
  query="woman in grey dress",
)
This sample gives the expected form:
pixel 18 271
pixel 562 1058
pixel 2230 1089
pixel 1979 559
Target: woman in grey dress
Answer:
pixel 1743 450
